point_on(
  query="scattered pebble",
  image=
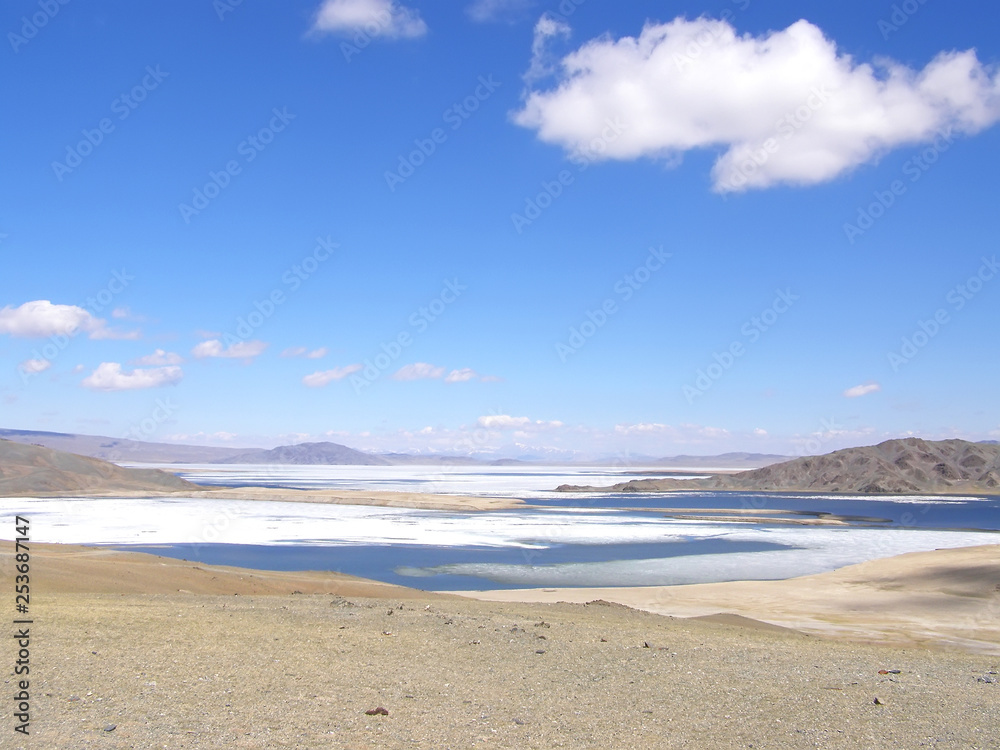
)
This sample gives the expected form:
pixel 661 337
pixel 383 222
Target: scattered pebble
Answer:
pixel 110 727
pixel 877 702
pixel 377 711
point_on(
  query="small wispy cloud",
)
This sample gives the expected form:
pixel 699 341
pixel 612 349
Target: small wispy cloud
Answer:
pixel 488 11
pixel 862 390
pixel 238 350
pixel 301 351
pixel 419 371
pixel 325 377
pixel 379 18
pixel 461 376
pixel 109 376
pixel 508 422
pixel 35 366
pixel 159 358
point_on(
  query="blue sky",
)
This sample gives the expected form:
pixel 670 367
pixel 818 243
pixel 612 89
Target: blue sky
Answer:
pixel 501 226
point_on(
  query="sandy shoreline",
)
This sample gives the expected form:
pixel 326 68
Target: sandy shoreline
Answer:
pixel 944 598
pixel 136 651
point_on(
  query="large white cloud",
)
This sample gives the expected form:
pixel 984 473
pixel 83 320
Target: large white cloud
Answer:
pixel 785 107
pixel 385 18
pixel 109 376
pixel 40 318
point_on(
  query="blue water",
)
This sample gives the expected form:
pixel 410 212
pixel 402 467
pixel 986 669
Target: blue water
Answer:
pixel 415 566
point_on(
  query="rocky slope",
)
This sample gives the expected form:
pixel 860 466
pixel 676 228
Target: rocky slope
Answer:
pixel 910 465
pixel 32 470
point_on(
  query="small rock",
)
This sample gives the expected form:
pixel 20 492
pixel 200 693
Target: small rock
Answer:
pixel 890 671
pixel 645 644
pixel 110 727
pixel 987 679
pixel 877 702
pixel 540 651
pixel 377 712
pixel 519 722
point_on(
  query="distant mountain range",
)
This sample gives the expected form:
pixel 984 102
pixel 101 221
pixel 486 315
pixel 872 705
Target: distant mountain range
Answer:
pixel 893 467
pixel 120 450
pixel 36 471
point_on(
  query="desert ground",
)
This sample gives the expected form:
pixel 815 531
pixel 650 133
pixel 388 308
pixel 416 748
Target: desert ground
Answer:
pixel 137 651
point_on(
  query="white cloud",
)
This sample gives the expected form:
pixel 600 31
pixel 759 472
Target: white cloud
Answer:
pixel 237 350
pixel 862 390
pixel 760 432
pixel 461 376
pixel 120 313
pixel 301 351
pixel 485 11
pixel 385 18
pixel 507 422
pixel 319 379
pixel 109 376
pixel 159 358
pixel 34 366
pixel 41 318
pixel 696 84
pixel 546 29
pixel 418 371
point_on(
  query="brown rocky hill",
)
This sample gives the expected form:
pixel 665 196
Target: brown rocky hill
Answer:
pixel 32 471
pixel 893 467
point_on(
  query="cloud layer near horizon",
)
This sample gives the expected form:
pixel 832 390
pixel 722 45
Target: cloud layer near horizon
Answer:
pixel 692 84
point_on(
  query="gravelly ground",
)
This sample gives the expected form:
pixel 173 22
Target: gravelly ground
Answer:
pixel 203 671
